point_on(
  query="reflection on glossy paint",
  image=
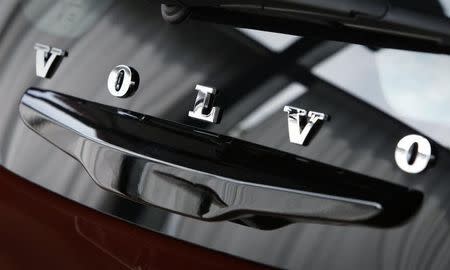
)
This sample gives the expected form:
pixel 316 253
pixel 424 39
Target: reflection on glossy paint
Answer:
pixel 416 85
pixel 66 18
pixel 409 86
pixel 291 92
pixel 445 6
pixel 276 42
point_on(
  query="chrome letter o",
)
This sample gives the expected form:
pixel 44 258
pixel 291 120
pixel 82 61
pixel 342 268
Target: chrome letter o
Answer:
pixel 122 81
pixel 413 153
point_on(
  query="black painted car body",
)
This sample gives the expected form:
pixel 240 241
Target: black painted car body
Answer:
pixel 375 97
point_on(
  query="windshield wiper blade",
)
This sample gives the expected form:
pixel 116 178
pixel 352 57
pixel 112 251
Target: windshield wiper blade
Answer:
pixel 380 23
pixel 345 8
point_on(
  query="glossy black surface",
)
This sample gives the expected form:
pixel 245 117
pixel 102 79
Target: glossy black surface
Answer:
pixel 171 60
pixel 222 175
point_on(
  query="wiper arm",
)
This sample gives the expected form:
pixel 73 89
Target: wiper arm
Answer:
pixel 382 23
pixel 345 8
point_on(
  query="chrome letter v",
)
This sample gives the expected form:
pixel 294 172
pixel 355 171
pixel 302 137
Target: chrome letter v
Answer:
pixel 45 58
pixel 301 122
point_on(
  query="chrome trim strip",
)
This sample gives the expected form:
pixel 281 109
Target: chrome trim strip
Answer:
pixel 120 153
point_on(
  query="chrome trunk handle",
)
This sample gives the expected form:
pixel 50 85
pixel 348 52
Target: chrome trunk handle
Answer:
pixel 208 176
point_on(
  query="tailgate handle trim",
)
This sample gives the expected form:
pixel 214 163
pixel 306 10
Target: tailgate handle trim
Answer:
pixel 204 175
